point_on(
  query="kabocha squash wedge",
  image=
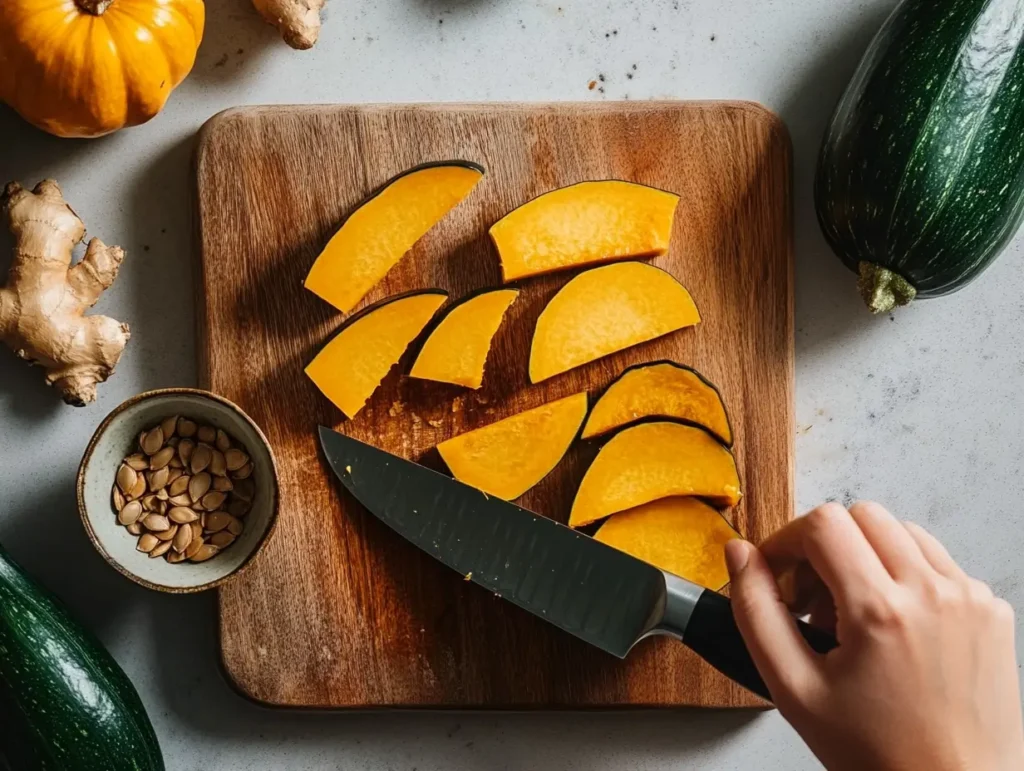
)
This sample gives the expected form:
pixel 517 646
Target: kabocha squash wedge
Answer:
pixel 507 458
pixel 384 227
pixel 684 536
pixel 663 389
pixel 352 365
pixel 456 350
pixel 651 461
pixel 604 310
pixel 584 224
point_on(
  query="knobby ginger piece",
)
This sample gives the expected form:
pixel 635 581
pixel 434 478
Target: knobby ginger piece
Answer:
pixel 43 303
pixel 298 21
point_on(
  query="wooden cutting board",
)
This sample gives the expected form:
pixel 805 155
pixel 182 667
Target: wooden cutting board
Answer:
pixel 341 612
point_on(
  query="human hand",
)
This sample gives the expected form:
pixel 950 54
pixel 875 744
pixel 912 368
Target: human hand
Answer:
pixel 925 675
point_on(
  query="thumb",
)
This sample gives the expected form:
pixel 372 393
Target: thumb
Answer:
pixel 786 663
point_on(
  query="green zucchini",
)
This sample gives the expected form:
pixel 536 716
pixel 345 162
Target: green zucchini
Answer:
pixel 65 704
pixel 920 180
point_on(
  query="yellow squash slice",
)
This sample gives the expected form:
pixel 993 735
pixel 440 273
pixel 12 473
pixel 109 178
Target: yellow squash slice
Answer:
pixel 664 389
pixel 384 227
pixel 456 351
pixel 651 461
pixel 605 310
pixel 507 458
pixel 584 224
pixel 352 365
pixel 684 536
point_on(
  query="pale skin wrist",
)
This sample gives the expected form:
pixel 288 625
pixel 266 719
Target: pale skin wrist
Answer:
pixel 925 676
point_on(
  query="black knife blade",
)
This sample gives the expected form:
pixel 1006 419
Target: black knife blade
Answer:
pixel 599 594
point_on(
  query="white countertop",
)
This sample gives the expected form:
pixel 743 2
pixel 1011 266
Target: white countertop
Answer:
pixel 921 411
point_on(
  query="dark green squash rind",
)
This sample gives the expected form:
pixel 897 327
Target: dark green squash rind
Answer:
pixel 64 701
pixel 922 168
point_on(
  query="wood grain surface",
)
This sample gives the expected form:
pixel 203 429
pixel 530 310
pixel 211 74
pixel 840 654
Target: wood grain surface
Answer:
pixel 340 612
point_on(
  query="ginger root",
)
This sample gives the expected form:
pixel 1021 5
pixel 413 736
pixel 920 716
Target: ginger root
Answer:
pixel 297 20
pixel 43 304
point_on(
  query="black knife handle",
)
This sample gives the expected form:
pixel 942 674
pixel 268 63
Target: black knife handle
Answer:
pixel 712 633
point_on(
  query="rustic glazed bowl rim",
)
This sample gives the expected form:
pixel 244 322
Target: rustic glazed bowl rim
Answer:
pixel 87 457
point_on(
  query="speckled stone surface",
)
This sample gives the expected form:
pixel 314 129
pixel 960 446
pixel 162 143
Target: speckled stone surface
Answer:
pixel 922 411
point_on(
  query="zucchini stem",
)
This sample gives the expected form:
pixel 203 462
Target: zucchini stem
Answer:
pixel 882 289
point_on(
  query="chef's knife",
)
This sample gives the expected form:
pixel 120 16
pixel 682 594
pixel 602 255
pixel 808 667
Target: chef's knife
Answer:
pixel 595 592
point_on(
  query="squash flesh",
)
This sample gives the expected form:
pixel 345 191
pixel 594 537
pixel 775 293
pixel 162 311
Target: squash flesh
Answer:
pixel 352 365
pixel 507 458
pixel 456 351
pixel 651 461
pixel 386 226
pixel 605 310
pixel 684 536
pixel 659 390
pixel 584 224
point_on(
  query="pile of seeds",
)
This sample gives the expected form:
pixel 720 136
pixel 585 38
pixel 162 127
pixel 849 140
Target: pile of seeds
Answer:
pixel 186 492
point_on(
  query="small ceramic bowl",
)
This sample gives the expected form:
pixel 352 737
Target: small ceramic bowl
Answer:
pixel 117 437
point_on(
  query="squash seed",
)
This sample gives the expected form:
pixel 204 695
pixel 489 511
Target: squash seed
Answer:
pixel 162 494
pixel 193 548
pixel 182 515
pixel 176 463
pixel 217 521
pixel 222 539
pixel 199 485
pixel 152 441
pixel 161 459
pixel 156 523
pixel 207 434
pixel 213 501
pixel 201 458
pixel 197 531
pixel 235 526
pixel 147 542
pixel 169 426
pixel 180 485
pixel 149 502
pixel 186 428
pixel 168 534
pixel 158 479
pixel 175 557
pixel 223 442
pixel 235 459
pixel 218 465
pixel 243 473
pixel 204 552
pixel 138 461
pixel 130 514
pixel 162 507
pixel 185 449
pixel 140 487
pixel 182 538
pixel 135 528
pixel 174 474
pixel 180 500
pixel 223 484
pixel 118 498
pixel 160 550
pixel 126 477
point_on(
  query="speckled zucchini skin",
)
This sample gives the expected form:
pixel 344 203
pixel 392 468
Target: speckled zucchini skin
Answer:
pixel 65 704
pixel 922 167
